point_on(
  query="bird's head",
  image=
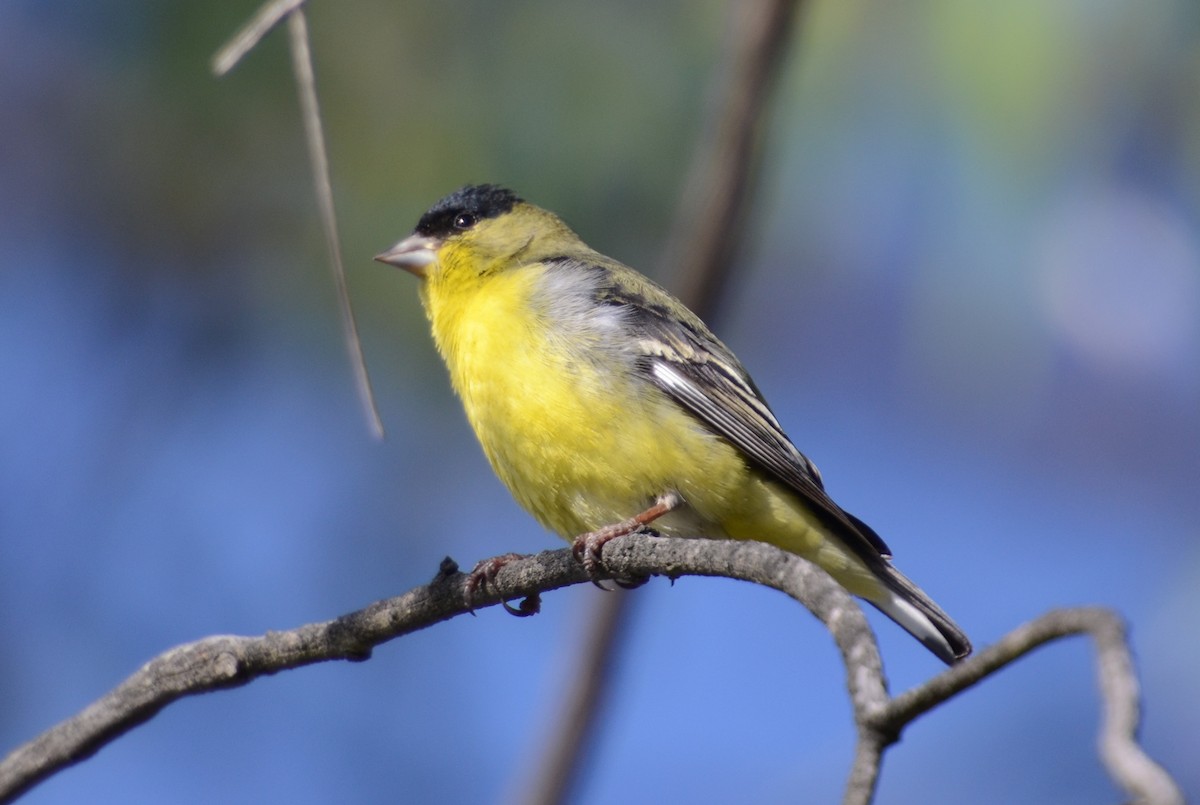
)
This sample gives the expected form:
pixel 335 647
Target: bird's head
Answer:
pixel 478 231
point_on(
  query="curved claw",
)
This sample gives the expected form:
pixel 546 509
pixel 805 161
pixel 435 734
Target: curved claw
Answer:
pixel 631 584
pixel 484 573
pixel 530 605
pixel 587 548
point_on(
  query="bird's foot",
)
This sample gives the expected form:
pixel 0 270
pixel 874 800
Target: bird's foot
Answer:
pixel 484 573
pixel 587 547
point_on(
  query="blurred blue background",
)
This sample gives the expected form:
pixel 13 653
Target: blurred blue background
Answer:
pixel 970 288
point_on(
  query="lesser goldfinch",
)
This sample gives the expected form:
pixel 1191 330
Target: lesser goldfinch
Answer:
pixel 604 404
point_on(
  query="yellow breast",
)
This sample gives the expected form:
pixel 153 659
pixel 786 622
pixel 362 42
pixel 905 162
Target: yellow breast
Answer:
pixel 577 436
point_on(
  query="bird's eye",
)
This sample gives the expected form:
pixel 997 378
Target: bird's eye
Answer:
pixel 464 220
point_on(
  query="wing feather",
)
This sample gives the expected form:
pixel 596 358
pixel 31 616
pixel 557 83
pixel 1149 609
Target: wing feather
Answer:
pixel 682 357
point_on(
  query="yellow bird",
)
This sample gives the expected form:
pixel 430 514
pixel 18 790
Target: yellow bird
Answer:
pixel 604 404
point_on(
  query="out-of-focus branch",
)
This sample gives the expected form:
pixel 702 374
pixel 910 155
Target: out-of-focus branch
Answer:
pixel 576 718
pixel 706 231
pixel 268 16
pixel 708 225
pixel 264 20
pixel 306 84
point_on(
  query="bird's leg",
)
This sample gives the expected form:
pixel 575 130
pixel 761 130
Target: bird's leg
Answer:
pixel 587 546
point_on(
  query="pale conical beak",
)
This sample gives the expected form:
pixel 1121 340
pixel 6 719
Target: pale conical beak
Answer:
pixel 414 254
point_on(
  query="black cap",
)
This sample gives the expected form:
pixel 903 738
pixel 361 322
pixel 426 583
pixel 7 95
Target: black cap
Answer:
pixel 465 207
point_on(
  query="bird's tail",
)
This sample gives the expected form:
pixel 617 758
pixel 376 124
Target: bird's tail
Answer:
pixel 915 612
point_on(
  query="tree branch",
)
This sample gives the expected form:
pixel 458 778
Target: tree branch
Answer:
pixel 267 17
pixel 560 759
pixel 227 661
pixel 245 40
pixel 1124 758
pixel 712 207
